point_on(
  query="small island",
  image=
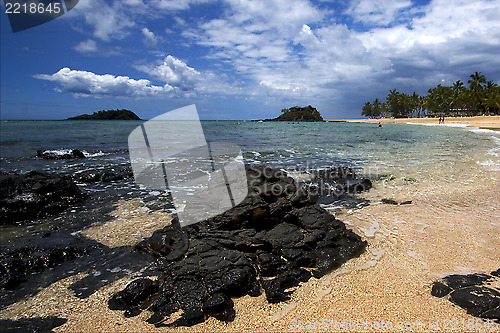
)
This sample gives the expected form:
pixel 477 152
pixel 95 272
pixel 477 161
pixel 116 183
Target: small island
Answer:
pixel 297 113
pixel 117 114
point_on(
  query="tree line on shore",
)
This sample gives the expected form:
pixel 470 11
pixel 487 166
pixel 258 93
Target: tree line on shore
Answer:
pixel 480 97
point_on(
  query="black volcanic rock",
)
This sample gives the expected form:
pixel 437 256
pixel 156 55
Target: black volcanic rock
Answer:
pixel 136 292
pixel 45 324
pixel 103 175
pixel 38 255
pixel 35 194
pixel 269 243
pixel 108 115
pixel 440 290
pixel 472 292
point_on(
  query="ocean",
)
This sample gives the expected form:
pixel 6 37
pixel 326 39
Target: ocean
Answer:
pixel 420 152
pixel 395 157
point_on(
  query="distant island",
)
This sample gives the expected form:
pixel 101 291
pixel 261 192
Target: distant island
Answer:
pixel 117 114
pixel 297 113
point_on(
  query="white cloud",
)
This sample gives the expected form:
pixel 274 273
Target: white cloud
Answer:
pixel 177 4
pixel 292 48
pixel 109 20
pixel 133 2
pixel 464 37
pixel 174 72
pixel 87 46
pixel 260 15
pixel 180 81
pixel 273 43
pixel 299 49
pixel 172 4
pixel 113 19
pixel 377 12
pixel 149 37
pixel 178 74
pixel 83 83
pixel 257 38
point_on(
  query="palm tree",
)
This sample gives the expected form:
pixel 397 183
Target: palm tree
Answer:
pixel 457 101
pixel 476 90
pixel 417 104
pixel 368 110
pixel 377 108
pixel 491 98
pixel 393 102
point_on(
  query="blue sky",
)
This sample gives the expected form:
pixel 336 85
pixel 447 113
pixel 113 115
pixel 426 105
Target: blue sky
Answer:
pixel 242 59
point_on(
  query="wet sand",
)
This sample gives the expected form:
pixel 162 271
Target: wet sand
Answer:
pixel 451 226
pixel 486 122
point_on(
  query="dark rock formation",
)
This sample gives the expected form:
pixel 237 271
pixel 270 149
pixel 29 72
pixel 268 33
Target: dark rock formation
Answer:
pixel 103 175
pixel 34 325
pixel 35 194
pixel 37 255
pixel 108 115
pixel 275 239
pixel 394 202
pixel 60 154
pixel 472 292
pixel 297 113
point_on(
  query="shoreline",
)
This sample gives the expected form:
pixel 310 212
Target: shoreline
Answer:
pixel 484 122
pixel 450 226
pixel 410 247
pixel 389 283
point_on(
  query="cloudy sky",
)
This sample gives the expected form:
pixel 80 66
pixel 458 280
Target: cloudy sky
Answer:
pixel 242 59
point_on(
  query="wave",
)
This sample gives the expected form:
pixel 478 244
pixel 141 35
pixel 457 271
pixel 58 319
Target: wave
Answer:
pixel 99 153
pixel 431 124
pixel 489 165
pixel 484 131
pixel 63 151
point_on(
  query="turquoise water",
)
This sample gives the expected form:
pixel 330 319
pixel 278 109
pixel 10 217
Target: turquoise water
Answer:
pixel 403 150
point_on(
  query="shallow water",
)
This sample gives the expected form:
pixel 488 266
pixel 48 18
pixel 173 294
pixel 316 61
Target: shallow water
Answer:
pixel 398 158
pixel 400 149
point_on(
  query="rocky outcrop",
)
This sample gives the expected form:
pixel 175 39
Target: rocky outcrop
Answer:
pixel 45 324
pixel 473 292
pixel 35 194
pixel 103 175
pixel 275 239
pixel 63 154
pixel 38 255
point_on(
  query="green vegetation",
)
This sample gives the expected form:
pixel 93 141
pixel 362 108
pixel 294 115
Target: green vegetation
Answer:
pixel 117 114
pixel 480 97
pixel 298 113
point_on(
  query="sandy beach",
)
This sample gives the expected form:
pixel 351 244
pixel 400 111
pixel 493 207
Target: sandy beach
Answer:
pixel 448 228
pixel 486 122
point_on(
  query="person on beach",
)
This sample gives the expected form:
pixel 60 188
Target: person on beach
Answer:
pixel 379 124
